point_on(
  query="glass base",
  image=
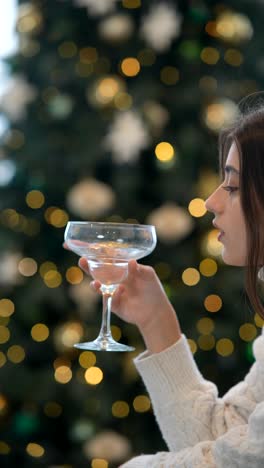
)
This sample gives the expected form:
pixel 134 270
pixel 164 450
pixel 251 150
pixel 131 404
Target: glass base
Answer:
pixel 103 344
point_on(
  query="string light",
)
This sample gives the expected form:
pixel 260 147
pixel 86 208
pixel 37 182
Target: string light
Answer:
pixel 208 267
pixel 93 375
pixel 27 267
pixel 164 151
pixel 247 332
pixel 197 207
pixel 87 359
pixel 210 55
pixel 7 308
pixel 206 342
pixel 141 404
pixel 35 450
pixel 52 409
pixel 130 66
pixel 224 347
pixel 74 275
pixel 193 345
pixel 191 276
pixel 120 409
pixel 169 75
pixel 4 334
pixel 46 267
pixel 52 279
pixel 99 463
pixel 16 354
pixel 63 374
pixel 213 303
pixel 39 332
pixel 35 199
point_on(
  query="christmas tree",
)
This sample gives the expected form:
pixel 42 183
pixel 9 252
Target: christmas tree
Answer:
pixel 114 110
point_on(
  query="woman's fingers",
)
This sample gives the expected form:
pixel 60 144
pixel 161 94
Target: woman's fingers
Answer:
pixel 83 264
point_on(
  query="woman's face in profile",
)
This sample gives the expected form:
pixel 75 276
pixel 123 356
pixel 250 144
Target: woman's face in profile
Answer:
pixel 225 203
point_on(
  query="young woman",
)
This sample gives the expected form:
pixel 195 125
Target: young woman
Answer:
pixel 201 429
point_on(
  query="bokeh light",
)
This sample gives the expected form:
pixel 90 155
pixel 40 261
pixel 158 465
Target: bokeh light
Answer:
pixel 205 325
pixel 213 303
pixel 27 267
pixel 52 409
pixel 164 151
pixel 74 275
pixel 93 375
pixel 191 276
pixel 225 347
pixel 35 450
pixel 39 332
pixel 16 354
pixel 87 359
pixel 141 404
pixel 7 307
pixel 197 208
pixel 4 334
pixel 130 66
pixel 247 332
pixel 120 409
pixel 206 342
pixel 63 374
pixel 208 267
pixel 35 199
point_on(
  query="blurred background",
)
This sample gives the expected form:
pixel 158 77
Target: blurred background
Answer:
pixel 110 110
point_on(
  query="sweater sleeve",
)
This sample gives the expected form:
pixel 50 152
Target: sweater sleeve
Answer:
pixel 240 447
pixel 187 406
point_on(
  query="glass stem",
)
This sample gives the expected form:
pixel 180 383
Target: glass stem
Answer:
pixel 105 331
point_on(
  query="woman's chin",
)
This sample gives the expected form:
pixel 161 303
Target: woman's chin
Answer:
pixel 232 260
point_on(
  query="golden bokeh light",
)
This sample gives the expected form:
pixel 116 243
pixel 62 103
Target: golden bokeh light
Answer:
pixel 208 267
pixel 212 244
pixel 116 332
pixel 259 321
pixel 99 463
pixel 4 334
pixel 27 267
pixel 46 267
pixel 233 57
pixel 87 359
pixel 29 20
pixel 107 89
pixel 7 307
pixel 35 199
pixel 74 275
pixel 141 404
pixel 35 450
pixel 123 101
pixel 3 404
pixel 70 333
pixel 2 359
pixel 63 374
pixel 131 4
pixel 210 55
pixel 16 354
pixel 67 49
pixel 191 276
pixel 205 326
pixel 120 409
pixel 146 57
pixel 219 114
pixel 88 55
pixel 15 139
pixel 52 409
pixel 93 375
pixel 225 347
pixel 39 332
pixel 58 218
pixel 208 83
pixel 234 27
pixel 130 66
pixel 164 151
pixel 197 208
pixel 169 75
pixel 5 448
pixel 192 344
pixel 213 303
pixel 206 342
pixel 247 332
pixel 52 279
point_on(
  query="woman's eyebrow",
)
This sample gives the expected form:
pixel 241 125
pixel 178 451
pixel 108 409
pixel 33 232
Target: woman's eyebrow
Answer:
pixel 231 170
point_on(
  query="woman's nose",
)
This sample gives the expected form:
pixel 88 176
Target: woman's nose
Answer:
pixel 214 202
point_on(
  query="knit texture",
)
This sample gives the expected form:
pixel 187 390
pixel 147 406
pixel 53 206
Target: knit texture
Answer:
pixel 202 430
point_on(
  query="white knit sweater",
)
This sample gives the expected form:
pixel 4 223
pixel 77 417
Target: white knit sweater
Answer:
pixel 201 429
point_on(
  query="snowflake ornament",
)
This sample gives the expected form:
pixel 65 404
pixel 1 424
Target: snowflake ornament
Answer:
pixel 161 26
pixel 14 100
pixel 96 7
pixel 127 136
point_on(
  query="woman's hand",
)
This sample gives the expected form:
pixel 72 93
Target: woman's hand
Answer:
pixel 140 299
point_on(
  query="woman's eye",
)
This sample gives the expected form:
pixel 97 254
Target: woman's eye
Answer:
pixel 230 188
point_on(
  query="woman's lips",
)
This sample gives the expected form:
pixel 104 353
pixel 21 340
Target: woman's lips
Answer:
pixel 221 233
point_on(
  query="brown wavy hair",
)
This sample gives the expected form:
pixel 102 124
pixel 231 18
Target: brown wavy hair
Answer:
pixel 248 134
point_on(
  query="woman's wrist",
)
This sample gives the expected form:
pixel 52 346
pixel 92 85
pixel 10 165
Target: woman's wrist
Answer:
pixel 161 332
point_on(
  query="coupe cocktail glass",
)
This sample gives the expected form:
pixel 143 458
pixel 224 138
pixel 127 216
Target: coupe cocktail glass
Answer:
pixel 108 247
